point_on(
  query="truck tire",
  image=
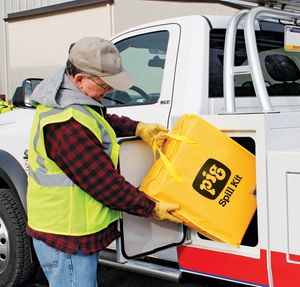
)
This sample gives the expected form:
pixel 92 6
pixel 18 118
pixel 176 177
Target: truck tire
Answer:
pixel 18 262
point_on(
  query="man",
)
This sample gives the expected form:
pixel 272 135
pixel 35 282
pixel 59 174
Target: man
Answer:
pixel 75 194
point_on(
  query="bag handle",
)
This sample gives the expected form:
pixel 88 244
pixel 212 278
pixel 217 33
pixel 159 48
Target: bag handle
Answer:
pixel 165 159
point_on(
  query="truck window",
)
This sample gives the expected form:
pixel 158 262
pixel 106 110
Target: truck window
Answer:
pixel 281 69
pixel 143 57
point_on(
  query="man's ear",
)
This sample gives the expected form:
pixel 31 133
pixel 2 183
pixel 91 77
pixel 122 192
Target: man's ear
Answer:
pixel 78 80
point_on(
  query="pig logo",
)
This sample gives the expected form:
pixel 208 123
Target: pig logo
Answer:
pixel 211 179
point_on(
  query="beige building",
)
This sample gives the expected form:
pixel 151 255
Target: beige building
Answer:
pixel 37 33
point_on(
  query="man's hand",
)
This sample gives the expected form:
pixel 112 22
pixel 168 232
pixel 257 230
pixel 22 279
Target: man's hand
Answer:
pixel 148 133
pixel 161 212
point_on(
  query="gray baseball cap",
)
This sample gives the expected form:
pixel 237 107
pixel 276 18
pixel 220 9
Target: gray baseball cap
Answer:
pixel 101 58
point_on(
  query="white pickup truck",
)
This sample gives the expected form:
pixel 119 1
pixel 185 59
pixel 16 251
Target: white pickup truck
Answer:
pixel 237 73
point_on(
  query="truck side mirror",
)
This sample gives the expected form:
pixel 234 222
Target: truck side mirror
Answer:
pixel 21 97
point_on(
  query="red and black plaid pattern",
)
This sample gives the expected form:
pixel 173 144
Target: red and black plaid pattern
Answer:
pixel 80 155
pixel 89 244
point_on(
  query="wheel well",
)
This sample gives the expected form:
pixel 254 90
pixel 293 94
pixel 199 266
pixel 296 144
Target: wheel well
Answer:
pixel 13 176
pixel 13 179
pixel 3 183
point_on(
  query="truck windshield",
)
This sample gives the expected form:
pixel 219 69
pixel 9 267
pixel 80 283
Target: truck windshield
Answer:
pixel 280 68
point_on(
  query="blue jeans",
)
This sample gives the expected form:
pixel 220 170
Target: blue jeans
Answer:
pixel 67 270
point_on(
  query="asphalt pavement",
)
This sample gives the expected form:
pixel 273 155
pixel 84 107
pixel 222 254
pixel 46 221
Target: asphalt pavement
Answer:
pixel 110 277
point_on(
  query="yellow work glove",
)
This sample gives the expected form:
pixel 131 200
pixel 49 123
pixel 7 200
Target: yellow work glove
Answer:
pixel 148 133
pixel 161 212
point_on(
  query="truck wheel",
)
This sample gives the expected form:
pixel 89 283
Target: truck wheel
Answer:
pixel 18 262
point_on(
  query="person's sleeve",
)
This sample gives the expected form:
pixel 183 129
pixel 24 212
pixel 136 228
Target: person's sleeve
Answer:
pixel 123 126
pixel 79 154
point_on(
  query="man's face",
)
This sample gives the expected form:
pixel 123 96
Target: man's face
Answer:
pixel 95 88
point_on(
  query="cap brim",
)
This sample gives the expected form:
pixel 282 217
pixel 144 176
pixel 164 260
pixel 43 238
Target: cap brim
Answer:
pixel 121 81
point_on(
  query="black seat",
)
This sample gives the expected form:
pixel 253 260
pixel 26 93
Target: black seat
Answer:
pixel 282 68
pixel 121 98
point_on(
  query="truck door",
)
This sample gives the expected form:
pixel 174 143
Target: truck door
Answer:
pixel 149 55
pixel 143 236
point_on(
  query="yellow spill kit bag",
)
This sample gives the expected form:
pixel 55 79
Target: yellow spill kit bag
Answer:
pixel 209 175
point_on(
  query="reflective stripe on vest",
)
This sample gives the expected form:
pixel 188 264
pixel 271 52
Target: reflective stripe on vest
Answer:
pixel 55 204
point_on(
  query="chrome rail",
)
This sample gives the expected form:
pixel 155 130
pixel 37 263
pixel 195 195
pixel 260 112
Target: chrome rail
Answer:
pixel 254 67
pixel 229 71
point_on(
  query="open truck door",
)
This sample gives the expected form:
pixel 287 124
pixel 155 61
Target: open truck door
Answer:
pixel 143 236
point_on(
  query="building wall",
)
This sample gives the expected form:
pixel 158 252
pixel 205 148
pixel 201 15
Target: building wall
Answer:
pixel 15 6
pixel 130 13
pixel 39 46
pixel 11 6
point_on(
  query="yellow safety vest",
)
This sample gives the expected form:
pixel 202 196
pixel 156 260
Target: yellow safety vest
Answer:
pixel 55 204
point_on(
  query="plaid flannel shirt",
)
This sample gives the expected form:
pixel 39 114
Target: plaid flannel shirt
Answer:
pixel 80 155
